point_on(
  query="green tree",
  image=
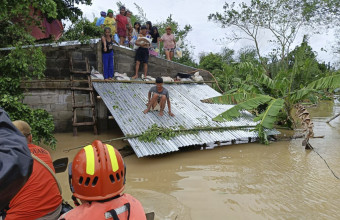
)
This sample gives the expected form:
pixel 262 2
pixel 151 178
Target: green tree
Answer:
pixel 82 30
pixel 273 103
pixel 281 19
pixel 67 9
pixel 20 61
pixel 211 62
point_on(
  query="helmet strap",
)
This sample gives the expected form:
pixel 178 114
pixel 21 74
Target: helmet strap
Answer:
pixel 75 201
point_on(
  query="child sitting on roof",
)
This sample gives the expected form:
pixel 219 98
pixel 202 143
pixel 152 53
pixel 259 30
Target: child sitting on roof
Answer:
pixel 160 96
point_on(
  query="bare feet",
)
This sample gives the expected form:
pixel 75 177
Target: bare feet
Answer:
pixel 145 111
pixel 161 113
pixel 171 114
pixel 135 77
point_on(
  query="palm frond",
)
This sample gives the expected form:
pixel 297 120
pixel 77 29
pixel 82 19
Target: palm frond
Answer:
pixel 328 82
pixel 269 116
pixel 265 80
pixel 230 99
pixel 300 94
pixel 248 104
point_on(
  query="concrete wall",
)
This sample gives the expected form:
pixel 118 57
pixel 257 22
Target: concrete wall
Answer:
pixel 57 61
pixel 53 94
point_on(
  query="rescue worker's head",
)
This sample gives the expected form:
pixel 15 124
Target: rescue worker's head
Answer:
pixel 97 172
pixel 25 129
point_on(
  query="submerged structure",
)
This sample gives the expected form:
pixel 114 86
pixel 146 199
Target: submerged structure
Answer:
pixel 126 102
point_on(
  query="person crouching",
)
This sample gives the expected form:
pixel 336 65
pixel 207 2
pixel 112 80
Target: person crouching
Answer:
pixel 160 96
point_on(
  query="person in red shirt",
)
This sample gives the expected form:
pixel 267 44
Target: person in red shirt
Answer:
pixel 121 25
pixel 39 198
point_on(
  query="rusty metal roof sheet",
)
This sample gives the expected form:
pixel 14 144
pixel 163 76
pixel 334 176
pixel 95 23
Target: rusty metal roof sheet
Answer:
pixel 126 102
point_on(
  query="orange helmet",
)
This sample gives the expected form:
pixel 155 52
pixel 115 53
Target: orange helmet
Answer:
pixel 97 172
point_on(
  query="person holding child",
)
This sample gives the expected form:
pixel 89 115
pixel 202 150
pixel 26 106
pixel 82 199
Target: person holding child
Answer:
pixel 142 53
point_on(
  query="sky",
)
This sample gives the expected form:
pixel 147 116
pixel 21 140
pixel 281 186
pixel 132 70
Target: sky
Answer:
pixel 206 36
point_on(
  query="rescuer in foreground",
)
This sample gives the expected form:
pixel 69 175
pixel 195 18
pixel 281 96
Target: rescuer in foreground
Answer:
pixel 97 177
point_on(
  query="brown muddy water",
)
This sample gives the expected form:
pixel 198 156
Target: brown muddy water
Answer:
pixel 245 181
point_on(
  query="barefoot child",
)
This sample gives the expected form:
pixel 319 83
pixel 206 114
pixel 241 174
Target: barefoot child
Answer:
pixel 160 96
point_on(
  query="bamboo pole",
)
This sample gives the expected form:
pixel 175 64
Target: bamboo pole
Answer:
pixel 334 117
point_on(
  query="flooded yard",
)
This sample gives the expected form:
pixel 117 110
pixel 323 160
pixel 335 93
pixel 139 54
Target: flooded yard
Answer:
pixel 246 181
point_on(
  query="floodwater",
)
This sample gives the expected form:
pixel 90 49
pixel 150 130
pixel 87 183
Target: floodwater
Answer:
pixel 245 181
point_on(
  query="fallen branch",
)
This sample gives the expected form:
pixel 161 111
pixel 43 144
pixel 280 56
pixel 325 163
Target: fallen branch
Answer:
pixel 152 133
pixel 334 117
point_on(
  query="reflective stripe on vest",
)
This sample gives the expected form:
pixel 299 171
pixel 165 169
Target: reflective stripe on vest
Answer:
pixel 119 210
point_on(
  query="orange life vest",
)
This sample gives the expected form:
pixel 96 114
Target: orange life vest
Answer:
pixel 125 206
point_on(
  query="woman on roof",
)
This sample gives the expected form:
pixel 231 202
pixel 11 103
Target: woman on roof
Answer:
pixel 169 43
pixel 110 22
pixel 107 54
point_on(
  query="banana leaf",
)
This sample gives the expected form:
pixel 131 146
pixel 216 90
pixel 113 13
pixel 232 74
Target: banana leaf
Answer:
pixel 230 99
pixel 249 104
pixel 328 82
pixel 269 116
pixel 300 94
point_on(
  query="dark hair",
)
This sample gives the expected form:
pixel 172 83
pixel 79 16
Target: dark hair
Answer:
pixel 126 12
pixel 153 29
pixel 150 24
pixel 135 25
pixel 143 27
pixel 159 80
pixel 107 28
pixel 121 7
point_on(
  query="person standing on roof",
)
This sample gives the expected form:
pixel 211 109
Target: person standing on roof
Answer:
pixel 97 178
pixel 157 97
pixel 110 22
pixel 121 25
pixel 100 21
pixel 169 42
pixel 142 54
pixel 129 27
pixel 107 54
pixel 40 197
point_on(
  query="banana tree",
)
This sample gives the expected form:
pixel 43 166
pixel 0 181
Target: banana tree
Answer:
pixel 278 101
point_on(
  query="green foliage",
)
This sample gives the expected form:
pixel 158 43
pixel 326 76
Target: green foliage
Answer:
pixel 269 116
pixel 154 132
pixel 82 30
pixel 23 62
pixel 40 120
pixel 211 62
pixel 329 82
pixel 249 104
pixel 67 10
pixel 231 99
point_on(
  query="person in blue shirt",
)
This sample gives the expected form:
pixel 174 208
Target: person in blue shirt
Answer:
pixel 100 20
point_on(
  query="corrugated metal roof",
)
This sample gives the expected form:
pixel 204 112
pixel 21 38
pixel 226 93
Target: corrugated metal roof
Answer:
pixel 126 102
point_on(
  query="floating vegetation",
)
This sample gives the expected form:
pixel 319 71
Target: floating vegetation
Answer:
pixel 155 131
